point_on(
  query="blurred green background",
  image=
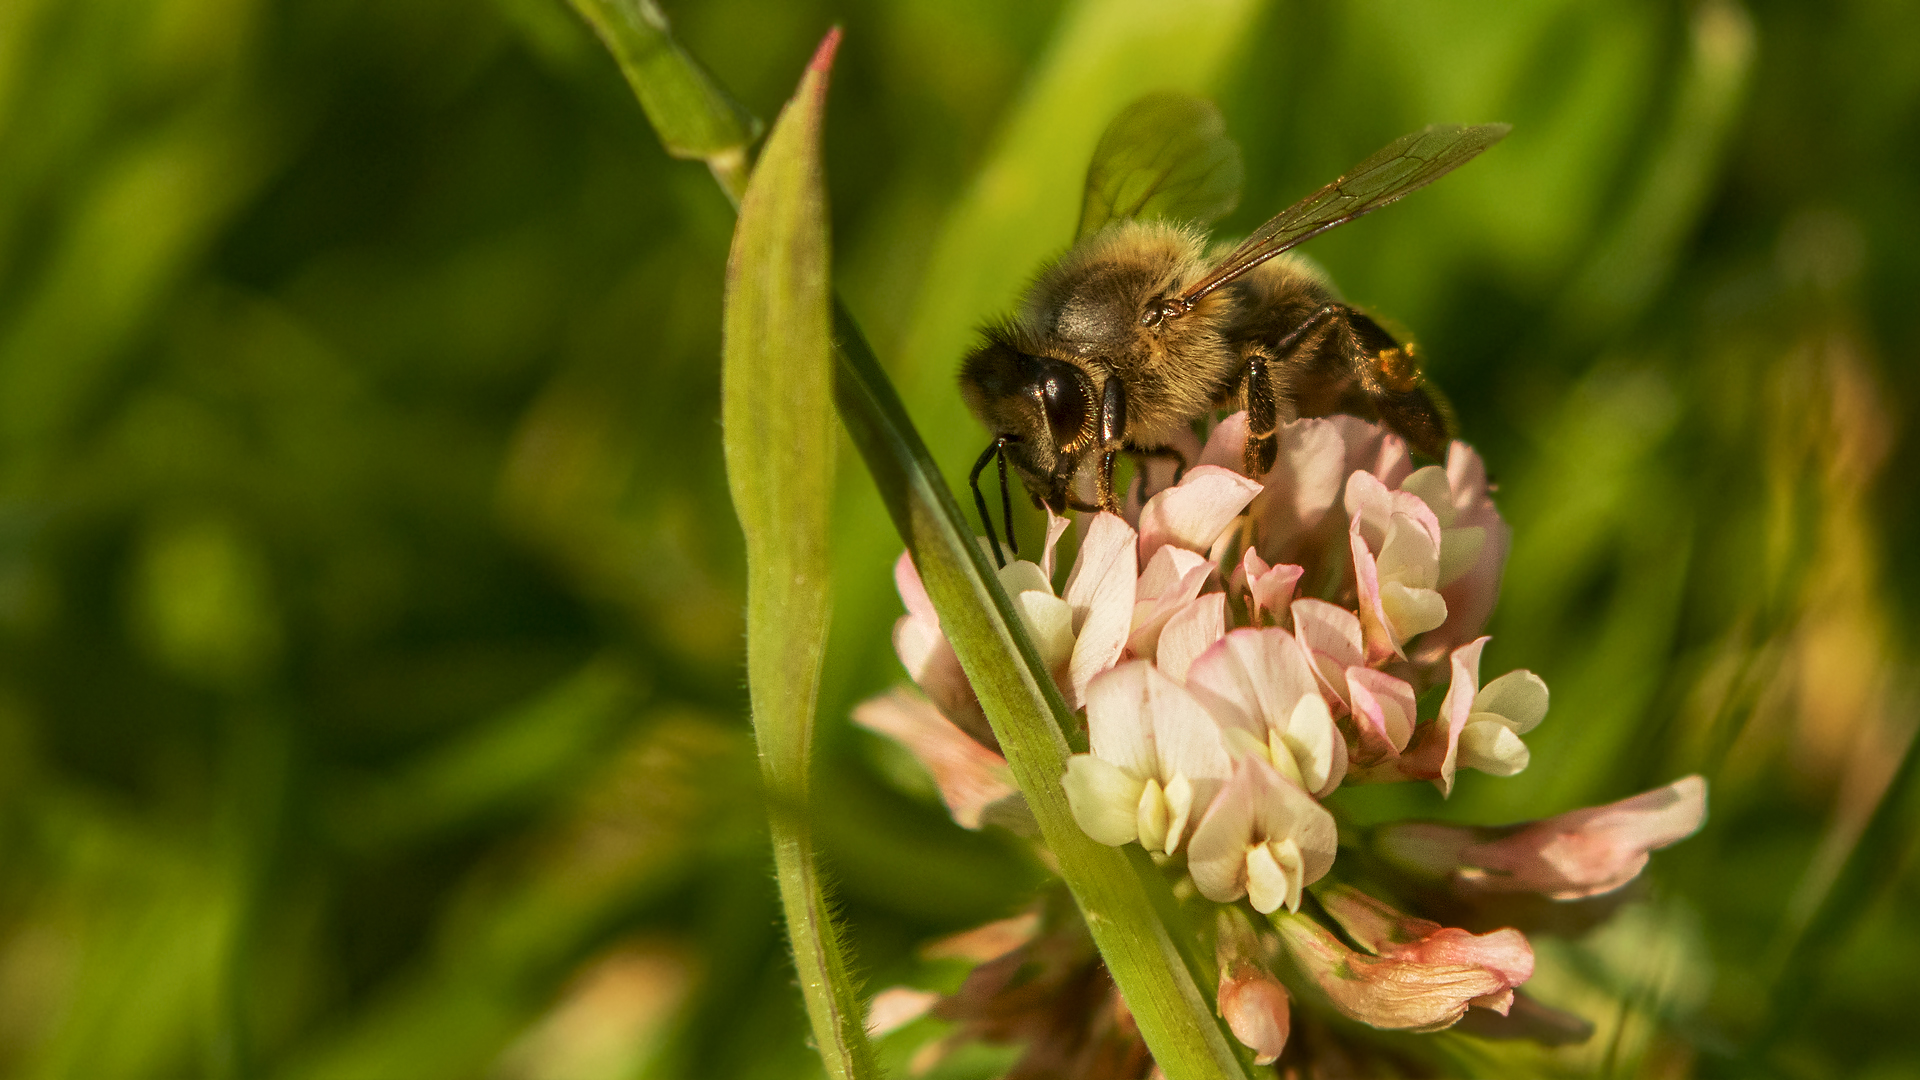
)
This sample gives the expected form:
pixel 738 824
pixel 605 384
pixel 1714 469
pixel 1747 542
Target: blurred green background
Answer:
pixel 370 599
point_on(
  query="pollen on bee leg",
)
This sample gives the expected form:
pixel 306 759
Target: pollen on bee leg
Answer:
pixel 1397 369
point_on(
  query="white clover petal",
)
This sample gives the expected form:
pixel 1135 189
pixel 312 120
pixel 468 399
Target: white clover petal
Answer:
pixel 1491 746
pixel 1056 528
pixel 1273 876
pixel 1049 622
pixel 1189 632
pixel 1283 759
pixel 1410 555
pixel 1104 799
pixel 1100 590
pixel 1369 501
pixel 1410 611
pixel 1150 816
pixel 1021 576
pixel 1188 743
pixel 1519 696
pixel 1256 807
pixel 1310 736
pixel 1431 485
pixel 1120 721
pixel 1149 727
pixel 1173 578
pixel 1179 797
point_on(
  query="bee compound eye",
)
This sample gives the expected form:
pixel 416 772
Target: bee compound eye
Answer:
pixel 1065 399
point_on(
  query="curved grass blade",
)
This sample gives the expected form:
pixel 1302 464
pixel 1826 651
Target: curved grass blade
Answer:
pixel 693 117
pixel 777 416
pixel 1166 982
pixel 1167 155
pixel 1165 985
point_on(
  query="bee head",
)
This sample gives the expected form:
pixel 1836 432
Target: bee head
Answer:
pixel 1045 408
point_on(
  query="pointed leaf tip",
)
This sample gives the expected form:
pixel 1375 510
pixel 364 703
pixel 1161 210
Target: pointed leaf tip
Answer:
pixel 822 62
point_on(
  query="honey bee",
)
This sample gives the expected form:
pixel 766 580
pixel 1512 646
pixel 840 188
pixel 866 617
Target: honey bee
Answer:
pixel 1135 332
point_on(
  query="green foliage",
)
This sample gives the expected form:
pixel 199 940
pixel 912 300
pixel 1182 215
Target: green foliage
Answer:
pixel 778 420
pixel 371 599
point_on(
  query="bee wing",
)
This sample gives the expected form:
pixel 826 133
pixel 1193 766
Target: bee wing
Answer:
pixel 1167 155
pixel 1410 162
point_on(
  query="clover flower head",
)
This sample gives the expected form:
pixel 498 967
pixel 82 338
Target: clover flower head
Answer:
pixel 1242 648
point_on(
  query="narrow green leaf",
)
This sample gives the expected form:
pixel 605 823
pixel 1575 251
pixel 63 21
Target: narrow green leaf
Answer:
pixel 693 117
pixel 1167 155
pixel 1153 962
pixel 777 415
pixel 1165 986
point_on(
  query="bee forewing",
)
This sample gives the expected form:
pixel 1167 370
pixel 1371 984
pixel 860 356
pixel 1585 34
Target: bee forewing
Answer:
pixel 1409 163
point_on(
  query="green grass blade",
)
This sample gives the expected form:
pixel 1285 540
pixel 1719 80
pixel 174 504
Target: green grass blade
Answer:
pixel 777 415
pixel 693 117
pixel 1153 962
pixel 1169 992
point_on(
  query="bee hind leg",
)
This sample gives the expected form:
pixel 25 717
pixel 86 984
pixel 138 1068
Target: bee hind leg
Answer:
pixel 1389 376
pixel 1263 416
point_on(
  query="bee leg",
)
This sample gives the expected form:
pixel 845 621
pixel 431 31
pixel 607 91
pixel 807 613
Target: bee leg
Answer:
pixel 1142 454
pixel 1263 396
pixel 1263 417
pixel 1389 375
pixel 996 448
pixel 1113 433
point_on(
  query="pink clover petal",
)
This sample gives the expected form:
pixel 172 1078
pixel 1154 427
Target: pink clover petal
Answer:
pixel 1189 632
pixel 1386 992
pixel 1269 588
pixel 1056 528
pixel 1100 592
pixel 1257 682
pixel 1587 852
pixel 1374 621
pixel 1383 930
pixel 1193 513
pixel 968 775
pixel 1374 507
pixel 1333 641
pixel 1471 596
pixel 1226 443
pixel 1256 1009
pixel 1436 746
pixel 896 1007
pixel 987 941
pixel 906 578
pixel 1172 579
pixel 1384 714
pixel 932 664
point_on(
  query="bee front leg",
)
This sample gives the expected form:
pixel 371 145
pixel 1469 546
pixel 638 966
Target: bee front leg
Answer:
pixel 1113 432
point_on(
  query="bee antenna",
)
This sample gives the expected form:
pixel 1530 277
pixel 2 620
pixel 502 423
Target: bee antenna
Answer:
pixel 996 448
